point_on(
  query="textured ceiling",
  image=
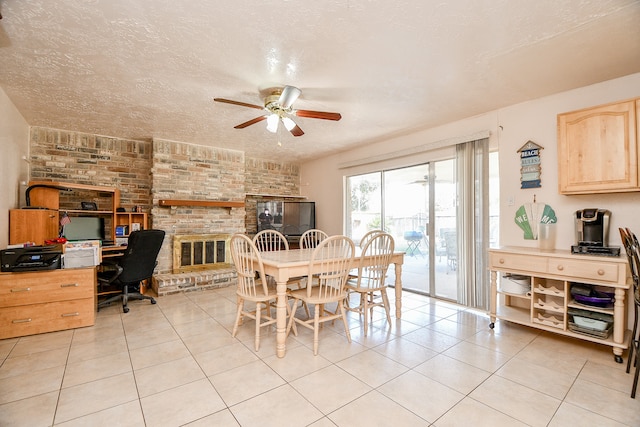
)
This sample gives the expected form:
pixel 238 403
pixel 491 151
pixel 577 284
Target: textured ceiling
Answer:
pixel 145 69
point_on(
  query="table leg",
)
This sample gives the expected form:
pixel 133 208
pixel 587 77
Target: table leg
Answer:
pixel 493 299
pixel 281 319
pixel 398 286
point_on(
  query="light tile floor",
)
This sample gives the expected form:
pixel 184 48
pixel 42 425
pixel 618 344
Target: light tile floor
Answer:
pixel 175 363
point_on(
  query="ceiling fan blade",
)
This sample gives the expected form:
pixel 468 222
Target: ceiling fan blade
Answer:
pixel 296 131
pixel 288 96
pixel 242 104
pixel 318 115
pixel 250 122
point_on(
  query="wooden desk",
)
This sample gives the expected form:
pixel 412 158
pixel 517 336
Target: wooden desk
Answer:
pixel 282 265
pixel 111 251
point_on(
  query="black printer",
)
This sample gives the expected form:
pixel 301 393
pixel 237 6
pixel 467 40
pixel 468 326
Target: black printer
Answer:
pixel 32 258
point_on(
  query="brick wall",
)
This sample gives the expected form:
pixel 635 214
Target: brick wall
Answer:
pixel 268 177
pixel 146 172
pixel 59 155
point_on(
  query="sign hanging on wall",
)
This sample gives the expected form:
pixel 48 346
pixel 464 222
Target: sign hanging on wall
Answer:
pixel 530 215
pixel 530 167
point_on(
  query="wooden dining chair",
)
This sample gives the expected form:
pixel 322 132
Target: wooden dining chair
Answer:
pixel 371 277
pixel 368 236
pixel 252 287
pixel 632 248
pixel 311 238
pixel 354 272
pixel 270 240
pixel 328 269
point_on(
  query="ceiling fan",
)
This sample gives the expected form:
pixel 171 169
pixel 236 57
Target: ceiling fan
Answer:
pixel 278 106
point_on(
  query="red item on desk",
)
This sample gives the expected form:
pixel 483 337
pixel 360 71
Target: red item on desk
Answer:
pixel 55 241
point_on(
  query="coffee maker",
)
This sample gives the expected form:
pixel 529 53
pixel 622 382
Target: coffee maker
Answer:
pixel 592 233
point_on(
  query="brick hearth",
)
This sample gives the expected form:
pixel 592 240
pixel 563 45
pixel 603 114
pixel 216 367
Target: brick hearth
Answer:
pixel 167 284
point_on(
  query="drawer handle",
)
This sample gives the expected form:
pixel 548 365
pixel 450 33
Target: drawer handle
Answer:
pixel 21 320
pixel 70 314
pixel 560 267
pixel 601 272
pixel 70 285
pixel 501 260
pixel 21 290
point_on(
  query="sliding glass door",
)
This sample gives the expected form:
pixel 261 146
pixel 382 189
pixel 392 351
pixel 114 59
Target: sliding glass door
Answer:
pixel 406 210
pixel 420 206
pixel 399 202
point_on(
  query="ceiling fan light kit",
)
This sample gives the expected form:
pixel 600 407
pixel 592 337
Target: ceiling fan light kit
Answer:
pixel 278 106
pixel 272 123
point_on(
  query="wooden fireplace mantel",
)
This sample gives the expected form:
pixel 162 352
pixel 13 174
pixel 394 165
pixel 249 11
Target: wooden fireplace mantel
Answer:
pixel 201 203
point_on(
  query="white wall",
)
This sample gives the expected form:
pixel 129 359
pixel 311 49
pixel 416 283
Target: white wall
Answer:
pixel 14 143
pixel 510 127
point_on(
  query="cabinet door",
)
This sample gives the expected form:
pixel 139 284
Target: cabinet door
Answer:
pixel 32 225
pixel 597 150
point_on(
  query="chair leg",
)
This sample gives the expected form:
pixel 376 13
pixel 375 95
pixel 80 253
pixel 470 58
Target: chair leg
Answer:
pixel 125 299
pixel 385 301
pixel 364 302
pixel 343 312
pixel 636 344
pixel 634 332
pixel 257 336
pixel 316 327
pixel 238 317
pixel 292 319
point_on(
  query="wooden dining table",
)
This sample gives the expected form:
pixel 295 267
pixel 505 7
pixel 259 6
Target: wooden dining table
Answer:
pixel 284 265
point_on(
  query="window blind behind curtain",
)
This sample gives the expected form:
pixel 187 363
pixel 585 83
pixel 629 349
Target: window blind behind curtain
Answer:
pixel 472 173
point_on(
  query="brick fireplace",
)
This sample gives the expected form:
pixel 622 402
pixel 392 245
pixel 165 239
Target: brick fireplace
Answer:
pixel 151 170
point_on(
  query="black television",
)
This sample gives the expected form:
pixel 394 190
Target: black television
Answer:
pixel 289 218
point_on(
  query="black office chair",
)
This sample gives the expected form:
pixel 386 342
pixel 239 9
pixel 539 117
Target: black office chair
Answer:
pixel 135 265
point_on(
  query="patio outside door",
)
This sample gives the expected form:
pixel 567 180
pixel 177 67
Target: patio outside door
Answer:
pixel 399 201
pixel 420 212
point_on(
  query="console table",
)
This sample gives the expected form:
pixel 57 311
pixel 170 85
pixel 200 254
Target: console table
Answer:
pixel 547 305
pixel 45 301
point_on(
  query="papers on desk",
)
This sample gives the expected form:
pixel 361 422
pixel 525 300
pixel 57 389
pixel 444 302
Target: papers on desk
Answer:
pixel 81 253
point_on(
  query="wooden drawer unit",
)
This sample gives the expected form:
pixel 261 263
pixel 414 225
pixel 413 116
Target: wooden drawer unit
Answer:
pixel 553 273
pixel 46 301
pixel 39 287
pixel 517 262
pixel 588 271
pixel 48 317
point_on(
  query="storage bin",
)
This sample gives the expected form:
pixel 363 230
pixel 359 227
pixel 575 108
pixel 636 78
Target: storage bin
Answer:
pixel 515 284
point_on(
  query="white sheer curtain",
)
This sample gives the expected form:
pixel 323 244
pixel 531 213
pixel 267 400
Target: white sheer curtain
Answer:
pixel 472 173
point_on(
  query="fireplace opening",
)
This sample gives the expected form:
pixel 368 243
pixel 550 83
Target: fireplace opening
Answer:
pixel 195 252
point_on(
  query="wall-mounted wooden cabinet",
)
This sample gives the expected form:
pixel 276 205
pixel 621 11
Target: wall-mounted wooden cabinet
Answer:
pixel 32 225
pixel 598 149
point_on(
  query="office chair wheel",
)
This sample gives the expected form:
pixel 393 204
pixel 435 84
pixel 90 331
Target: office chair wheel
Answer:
pixel 153 301
pixel 125 309
pixel 618 359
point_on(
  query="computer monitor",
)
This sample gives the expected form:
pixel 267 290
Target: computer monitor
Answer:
pixel 84 228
